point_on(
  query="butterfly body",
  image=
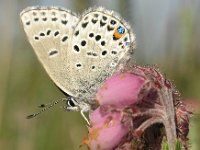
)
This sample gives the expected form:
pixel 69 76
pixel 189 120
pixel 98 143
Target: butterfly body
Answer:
pixel 78 52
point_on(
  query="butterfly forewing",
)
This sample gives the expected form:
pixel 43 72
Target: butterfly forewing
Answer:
pixel 49 30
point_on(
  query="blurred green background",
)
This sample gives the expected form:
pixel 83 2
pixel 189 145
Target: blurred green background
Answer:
pixel 167 33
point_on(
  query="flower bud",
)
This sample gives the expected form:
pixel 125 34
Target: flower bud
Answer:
pixel 120 90
pixel 107 130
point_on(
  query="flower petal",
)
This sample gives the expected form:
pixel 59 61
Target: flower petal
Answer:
pixel 120 90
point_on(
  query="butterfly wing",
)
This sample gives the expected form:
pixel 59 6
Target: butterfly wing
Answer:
pixel 100 41
pixel 78 54
pixel 49 30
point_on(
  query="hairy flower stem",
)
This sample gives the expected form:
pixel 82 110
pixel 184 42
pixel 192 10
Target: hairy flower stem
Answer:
pixel 169 121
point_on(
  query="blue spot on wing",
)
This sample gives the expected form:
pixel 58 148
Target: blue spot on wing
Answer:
pixel 120 30
pixel 127 43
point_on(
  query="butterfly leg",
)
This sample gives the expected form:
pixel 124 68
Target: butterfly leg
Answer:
pixel 76 108
pixel 69 108
pixel 83 115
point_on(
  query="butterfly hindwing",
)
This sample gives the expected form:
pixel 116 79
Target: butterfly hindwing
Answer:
pixel 100 40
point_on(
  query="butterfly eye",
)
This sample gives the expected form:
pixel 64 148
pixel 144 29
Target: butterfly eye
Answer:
pixel 70 103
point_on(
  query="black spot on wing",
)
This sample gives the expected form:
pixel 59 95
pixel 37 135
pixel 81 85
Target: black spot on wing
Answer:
pixel 44 19
pixel 78 65
pixel 34 13
pixel 98 37
pixel 103 43
pixel 64 38
pixel 36 38
pixel 36 19
pixel 113 52
pixel 54 19
pixel 53 52
pixel 96 15
pixel 83 43
pixel 86 18
pixel 104 18
pixel 56 33
pixel 64 22
pixel 76 33
pixel 92 54
pixel 125 39
pixel 43 13
pixel 120 43
pixel 104 52
pixel 42 34
pixel 109 28
pixel 48 32
pixel 113 22
pixel 84 25
pixel 91 35
pixel 76 48
pixel 94 21
pixel 28 23
pixel 114 38
pixel 102 23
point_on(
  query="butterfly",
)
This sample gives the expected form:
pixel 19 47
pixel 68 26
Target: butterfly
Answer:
pixel 78 52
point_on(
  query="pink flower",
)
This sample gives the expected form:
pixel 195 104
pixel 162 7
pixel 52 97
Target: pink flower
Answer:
pixel 133 106
pixel 109 125
pixel 120 90
pixel 107 130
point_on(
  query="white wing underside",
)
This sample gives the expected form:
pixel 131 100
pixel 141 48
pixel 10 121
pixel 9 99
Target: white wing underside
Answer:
pixel 77 52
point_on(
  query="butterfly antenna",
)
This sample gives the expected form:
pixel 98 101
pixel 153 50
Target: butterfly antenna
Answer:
pixel 45 107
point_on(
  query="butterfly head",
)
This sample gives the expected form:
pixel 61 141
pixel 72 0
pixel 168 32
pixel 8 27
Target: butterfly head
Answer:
pixel 76 105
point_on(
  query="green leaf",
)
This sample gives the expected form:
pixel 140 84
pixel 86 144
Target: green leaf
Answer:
pixel 178 145
pixel 165 146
